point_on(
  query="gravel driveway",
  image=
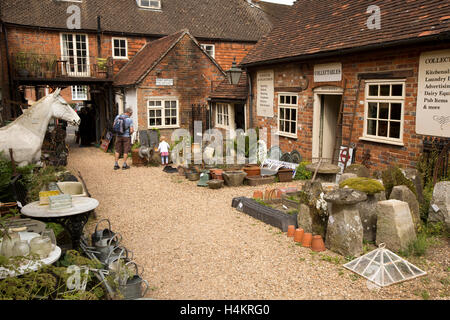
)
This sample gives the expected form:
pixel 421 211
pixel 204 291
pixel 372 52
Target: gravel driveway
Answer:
pixel 193 245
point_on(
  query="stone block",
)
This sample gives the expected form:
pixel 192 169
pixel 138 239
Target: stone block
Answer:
pixel 395 225
pixel 440 201
pixel 403 193
pixel 368 214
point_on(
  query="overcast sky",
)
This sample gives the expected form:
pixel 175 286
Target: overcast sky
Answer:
pixel 281 1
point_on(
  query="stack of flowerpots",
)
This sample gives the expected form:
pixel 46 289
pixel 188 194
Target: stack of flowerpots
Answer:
pixel 306 239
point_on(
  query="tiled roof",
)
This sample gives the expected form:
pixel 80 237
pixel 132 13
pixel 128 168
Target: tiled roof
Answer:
pixel 209 19
pixel 313 27
pixel 225 90
pixel 149 57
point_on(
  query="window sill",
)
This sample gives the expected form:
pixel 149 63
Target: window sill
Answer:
pixel 395 143
pixel 287 135
pixel 223 127
pixel 163 127
pixel 121 58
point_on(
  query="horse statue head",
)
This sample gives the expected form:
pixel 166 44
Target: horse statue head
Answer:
pixel 61 109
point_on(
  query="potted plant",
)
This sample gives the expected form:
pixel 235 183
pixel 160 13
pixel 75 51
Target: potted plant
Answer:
pixel 22 64
pixel 51 67
pixel 102 67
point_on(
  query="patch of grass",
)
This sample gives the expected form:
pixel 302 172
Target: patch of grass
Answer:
pixel 354 277
pixel 349 258
pixel 330 259
pixel 341 273
pixel 302 259
pixel 425 295
pixel 445 281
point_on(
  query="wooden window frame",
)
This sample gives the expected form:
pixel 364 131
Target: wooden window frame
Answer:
pixel 384 99
pixel 113 48
pixel 163 100
pixel 289 106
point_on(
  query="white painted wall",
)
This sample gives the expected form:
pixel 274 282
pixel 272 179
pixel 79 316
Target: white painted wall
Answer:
pixel 131 102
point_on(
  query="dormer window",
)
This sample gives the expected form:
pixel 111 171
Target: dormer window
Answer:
pixel 149 4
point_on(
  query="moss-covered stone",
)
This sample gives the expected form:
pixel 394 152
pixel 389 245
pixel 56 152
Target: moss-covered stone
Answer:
pixel 392 177
pixel 358 169
pixel 366 185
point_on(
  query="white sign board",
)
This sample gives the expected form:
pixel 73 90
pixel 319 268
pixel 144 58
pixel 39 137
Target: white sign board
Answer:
pixel 433 95
pixel 329 72
pixel 345 155
pixel 265 93
pixel 164 82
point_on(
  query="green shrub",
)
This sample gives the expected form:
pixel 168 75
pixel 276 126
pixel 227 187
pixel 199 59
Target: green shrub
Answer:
pixel 392 177
pixel 302 173
pixel 367 185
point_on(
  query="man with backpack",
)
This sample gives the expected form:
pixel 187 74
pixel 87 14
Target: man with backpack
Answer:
pixel 123 128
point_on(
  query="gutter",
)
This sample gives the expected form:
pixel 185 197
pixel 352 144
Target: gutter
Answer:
pixel 339 52
pixel 124 34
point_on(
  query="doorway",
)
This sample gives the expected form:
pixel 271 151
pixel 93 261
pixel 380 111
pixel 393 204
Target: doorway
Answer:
pixel 327 102
pixel 239 116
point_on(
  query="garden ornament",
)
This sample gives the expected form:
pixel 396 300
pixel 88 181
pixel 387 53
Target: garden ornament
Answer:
pixel 26 134
pixel 204 178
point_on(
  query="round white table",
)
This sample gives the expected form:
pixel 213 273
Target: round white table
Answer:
pixel 73 219
pixel 31 265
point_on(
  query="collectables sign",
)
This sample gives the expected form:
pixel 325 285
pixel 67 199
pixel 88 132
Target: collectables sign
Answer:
pixel 433 96
pixel 329 72
pixel 265 93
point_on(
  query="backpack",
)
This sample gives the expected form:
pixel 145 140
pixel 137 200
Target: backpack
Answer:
pixel 119 125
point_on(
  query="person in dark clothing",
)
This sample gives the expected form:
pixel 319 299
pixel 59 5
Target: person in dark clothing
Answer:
pixel 84 127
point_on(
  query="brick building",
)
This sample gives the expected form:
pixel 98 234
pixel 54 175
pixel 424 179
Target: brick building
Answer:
pixel 166 81
pixel 81 45
pixel 321 56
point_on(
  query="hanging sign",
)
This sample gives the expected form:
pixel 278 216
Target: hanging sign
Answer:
pixel 329 72
pixel 265 93
pixel 164 82
pixel 433 95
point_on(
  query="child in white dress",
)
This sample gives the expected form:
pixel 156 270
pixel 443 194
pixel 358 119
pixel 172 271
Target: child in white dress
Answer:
pixel 163 148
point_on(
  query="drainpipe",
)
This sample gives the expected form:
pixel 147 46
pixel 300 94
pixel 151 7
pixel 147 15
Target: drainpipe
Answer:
pixel 250 96
pixel 8 66
pixel 99 37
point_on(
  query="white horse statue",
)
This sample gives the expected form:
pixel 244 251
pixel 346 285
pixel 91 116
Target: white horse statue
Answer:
pixel 26 134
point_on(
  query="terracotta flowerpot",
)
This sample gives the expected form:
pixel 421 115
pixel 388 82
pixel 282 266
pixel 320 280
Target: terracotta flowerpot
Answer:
pixel 298 235
pixel 252 171
pixel 258 194
pixel 216 174
pixel 291 231
pixel 307 239
pixel 317 244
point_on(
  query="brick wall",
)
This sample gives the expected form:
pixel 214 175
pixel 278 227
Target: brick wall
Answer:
pixel 225 52
pixel 191 71
pixel 382 154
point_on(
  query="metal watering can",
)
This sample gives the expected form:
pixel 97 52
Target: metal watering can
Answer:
pixel 104 248
pixel 116 255
pixel 103 235
pixel 131 287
